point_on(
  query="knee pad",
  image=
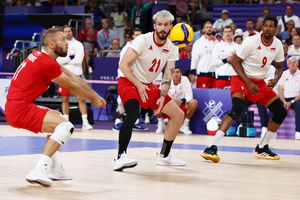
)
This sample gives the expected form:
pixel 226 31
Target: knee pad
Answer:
pixel 237 108
pixel 63 132
pixel 278 110
pixel 132 110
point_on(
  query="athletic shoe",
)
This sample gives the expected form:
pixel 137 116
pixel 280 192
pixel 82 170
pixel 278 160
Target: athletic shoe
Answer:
pixel 161 126
pixel 124 162
pixel 39 176
pixel 87 127
pixel 210 153
pixel 297 135
pixel 59 173
pixel 168 161
pixel 185 130
pixel 117 126
pixel 140 127
pixel 265 153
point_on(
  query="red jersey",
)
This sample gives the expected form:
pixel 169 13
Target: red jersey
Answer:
pixel 33 77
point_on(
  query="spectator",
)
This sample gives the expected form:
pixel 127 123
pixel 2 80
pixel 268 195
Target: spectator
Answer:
pixel 194 6
pixel 222 57
pixel 181 92
pixel 120 20
pixel 289 15
pixel 91 47
pixel 33 47
pixel 105 35
pixel 88 23
pixel 234 27
pixel 265 13
pixel 294 49
pixel 186 52
pixel 98 14
pixel 286 35
pixel 202 57
pixel 181 8
pixel 73 62
pixel 197 35
pixel 285 50
pixel 249 29
pixel 289 91
pixel 127 38
pixel 115 45
pixel 222 22
pixel 238 39
pixel 33 3
pixel 141 16
pixel 191 78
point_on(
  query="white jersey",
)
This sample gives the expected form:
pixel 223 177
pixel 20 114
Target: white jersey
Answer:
pixel 221 51
pixel 75 48
pixel 181 90
pixel 258 56
pixel 293 51
pixel 202 55
pixel 152 57
pixel 286 19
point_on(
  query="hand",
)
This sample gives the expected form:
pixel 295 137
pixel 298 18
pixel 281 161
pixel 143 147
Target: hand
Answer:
pixel 287 105
pixel 253 88
pixel 98 102
pixel 178 102
pixel 160 103
pixel 229 59
pixel 142 91
pixel 272 83
pixel 192 78
pixel 71 57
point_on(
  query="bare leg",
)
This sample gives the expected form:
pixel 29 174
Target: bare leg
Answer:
pixel 82 105
pixel 65 104
pixel 191 108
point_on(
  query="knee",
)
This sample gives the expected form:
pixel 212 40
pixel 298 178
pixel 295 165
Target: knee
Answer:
pixel 62 132
pixel 278 110
pixel 237 108
pixel 132 109
pixel 194 103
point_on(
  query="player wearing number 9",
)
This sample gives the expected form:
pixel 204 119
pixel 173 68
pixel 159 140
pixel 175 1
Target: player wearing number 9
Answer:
pixel 251 62
pixel 139 65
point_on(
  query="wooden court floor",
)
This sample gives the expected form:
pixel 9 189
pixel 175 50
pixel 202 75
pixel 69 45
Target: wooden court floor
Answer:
pixel 88 157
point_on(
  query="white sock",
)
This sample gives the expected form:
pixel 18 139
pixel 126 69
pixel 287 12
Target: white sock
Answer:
pixel 266 139
pixel 44 162
pixel 217 138
pixel 117 121
pixel 66 116
pixel 186 122
pixel 84 119
pixel 137 121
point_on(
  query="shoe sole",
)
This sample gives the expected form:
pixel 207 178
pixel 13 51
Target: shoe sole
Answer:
pixel 124 167
pixel 215 159
pixel 40 182
pixel 178 165
pixel 60 179
pixel 265 157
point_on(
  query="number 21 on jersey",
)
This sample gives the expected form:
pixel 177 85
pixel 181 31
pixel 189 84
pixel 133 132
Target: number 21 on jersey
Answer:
pixel 155 64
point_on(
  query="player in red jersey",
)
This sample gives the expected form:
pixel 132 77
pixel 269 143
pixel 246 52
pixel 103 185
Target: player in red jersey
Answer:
pixel 31 79
pixel 252 62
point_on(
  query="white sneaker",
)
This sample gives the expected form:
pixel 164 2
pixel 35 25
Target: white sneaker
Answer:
pixel 87 126
pixel 161 126
pixel 124 162
pixel 39 176
pixel 59 173
pixel 185 130
pixel 297 135
pixel 147 119
pixel 263 131
pixel 168 161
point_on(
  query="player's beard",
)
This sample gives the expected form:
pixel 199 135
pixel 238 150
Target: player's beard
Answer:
pixel 159 35
pixel 60 52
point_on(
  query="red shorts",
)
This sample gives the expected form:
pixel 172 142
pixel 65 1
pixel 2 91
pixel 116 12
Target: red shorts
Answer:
pixel 221 84
pixel 63 91
pixel 128 91
pixel 182 107
pixel 205 82
pixel 26 115
pixel 264 95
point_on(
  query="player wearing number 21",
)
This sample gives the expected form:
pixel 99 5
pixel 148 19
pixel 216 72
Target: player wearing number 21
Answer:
pixel 251 62
pixel 140 64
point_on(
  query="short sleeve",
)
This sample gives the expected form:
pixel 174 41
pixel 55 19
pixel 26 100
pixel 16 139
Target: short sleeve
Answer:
pixel 245 49
pixel 281 80
pixel 52 70
pixel 138 44
pixel 174 56
pixel 279 54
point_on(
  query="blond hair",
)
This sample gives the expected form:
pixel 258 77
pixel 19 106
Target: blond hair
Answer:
pixel 163 15
pixel 49 35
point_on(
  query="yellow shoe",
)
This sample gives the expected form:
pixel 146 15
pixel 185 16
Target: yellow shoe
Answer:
pixel 210 153
pixel 265 153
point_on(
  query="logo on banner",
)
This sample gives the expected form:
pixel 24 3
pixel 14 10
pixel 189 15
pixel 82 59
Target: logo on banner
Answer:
pixel 212 110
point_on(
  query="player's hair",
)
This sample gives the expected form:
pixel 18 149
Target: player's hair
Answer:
pixel 206 22
pixel 177 67
pixel 163 15
pixel 228 27
pixel 249 20
pixel 49 33
pixel 271 19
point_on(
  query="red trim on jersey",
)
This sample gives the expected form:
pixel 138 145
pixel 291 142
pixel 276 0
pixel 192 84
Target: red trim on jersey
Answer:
pixel 267 45
pixel 159 45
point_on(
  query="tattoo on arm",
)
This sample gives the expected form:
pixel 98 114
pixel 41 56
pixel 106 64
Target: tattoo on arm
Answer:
pixel 168 82
pixel 163 93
